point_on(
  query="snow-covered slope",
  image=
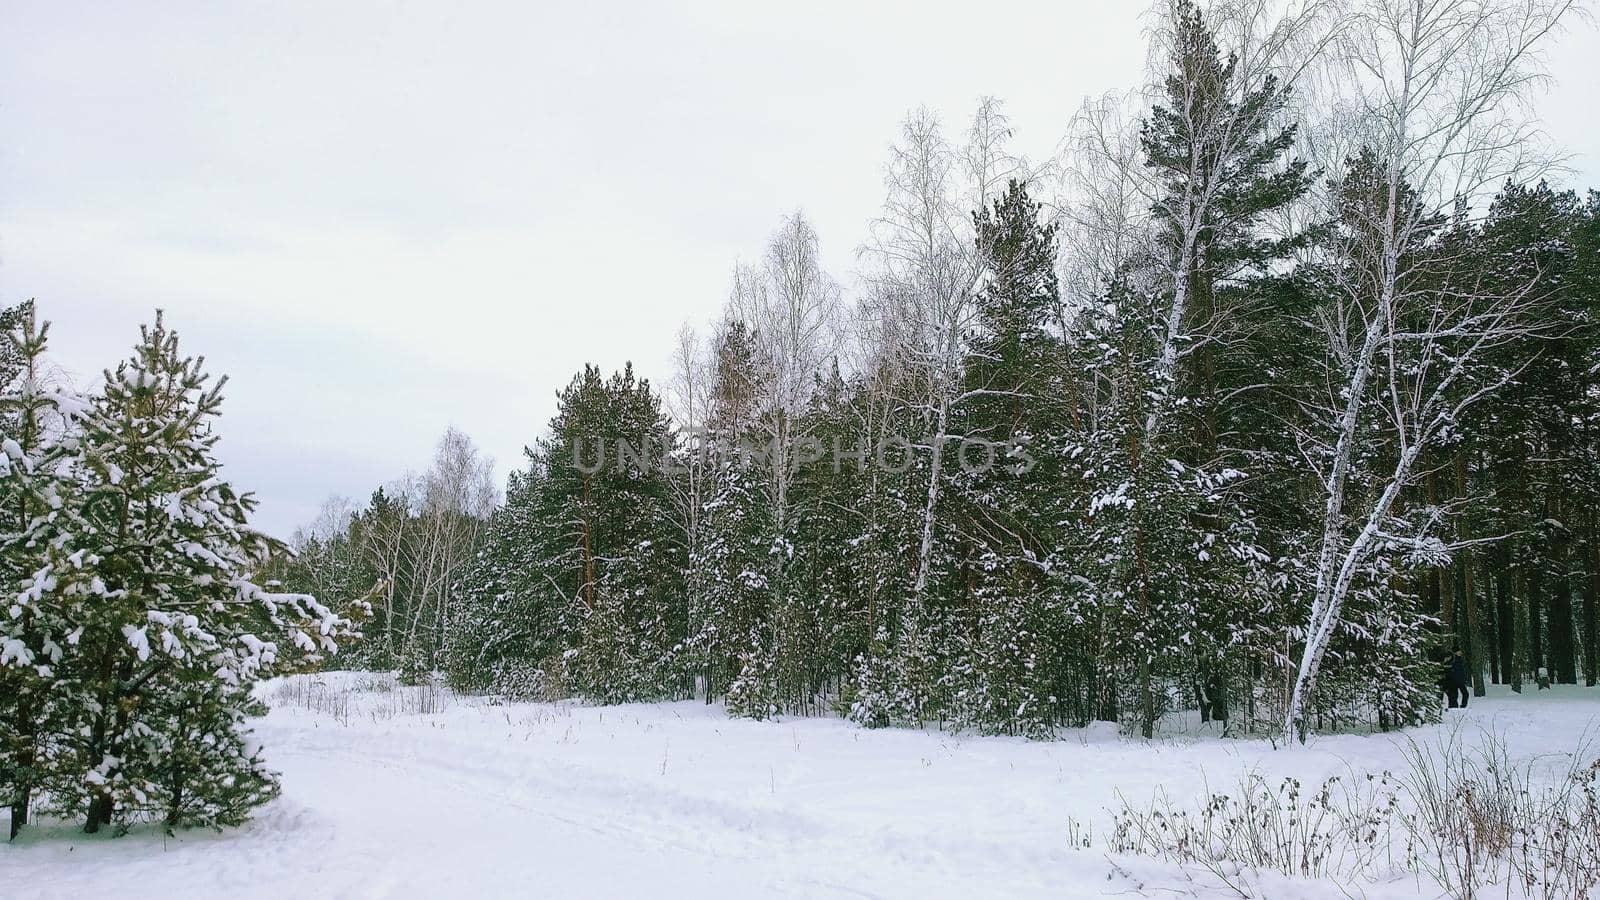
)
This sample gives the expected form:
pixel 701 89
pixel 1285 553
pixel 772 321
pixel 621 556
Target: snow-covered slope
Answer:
pixel 387 797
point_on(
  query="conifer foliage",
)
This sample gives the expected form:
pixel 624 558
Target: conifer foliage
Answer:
pixel 137 624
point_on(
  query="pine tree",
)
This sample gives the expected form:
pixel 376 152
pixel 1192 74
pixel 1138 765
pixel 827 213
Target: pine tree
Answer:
pixel 831 574
pixel 11 356
pixel 511 632
pixel 42 583
pixel 1533 452
pixel 886 664
pixel 382 536
pixel 178 629
pixel 608 512
pixel 1219 151
pixel 1012 672
pixel 730 638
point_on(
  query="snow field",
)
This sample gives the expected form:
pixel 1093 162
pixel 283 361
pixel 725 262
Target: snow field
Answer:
pixel 396 792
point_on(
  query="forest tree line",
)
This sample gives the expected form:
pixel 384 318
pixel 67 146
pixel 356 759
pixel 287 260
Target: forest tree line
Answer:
pixel 1300 342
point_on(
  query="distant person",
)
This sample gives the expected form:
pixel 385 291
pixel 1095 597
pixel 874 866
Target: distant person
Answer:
pixel 1455 681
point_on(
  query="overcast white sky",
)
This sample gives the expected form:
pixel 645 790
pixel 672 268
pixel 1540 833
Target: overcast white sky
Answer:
pixel 383 218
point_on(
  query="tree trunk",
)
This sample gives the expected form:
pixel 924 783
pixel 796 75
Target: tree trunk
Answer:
pixel 1563 661
pixel 1105 699
pixel 1505 615
pixel 1519 633
pixel 1147 699
pixel 178 777
pixel 21 803
pixel 1591 616
pixel 1535 628
pixel 1217 690
pixel 21 800
pixel 1442 599
pixel 931 503
pixel 1491 635
pixel 22 788
pixel 1470 637
pixel 1466 591
pixel 101 735
pixel 99 813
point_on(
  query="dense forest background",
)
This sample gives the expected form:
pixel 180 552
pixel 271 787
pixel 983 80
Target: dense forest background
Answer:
pixel 1276 384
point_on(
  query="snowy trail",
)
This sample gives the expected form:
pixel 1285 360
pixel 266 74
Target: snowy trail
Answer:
pixel 675 800
pixel 521 805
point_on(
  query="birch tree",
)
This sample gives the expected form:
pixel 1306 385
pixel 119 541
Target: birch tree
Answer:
pixel 453 500
pixel 927 269
pixel 1438 89
pixel 688 402
pixel 792 308
pixel 793 305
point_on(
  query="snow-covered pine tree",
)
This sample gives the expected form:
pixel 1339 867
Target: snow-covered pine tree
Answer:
pixel 610 531
pixel 729 642
pixel 790 303
pixel 326 561
pixel 11 358
pixel 885 674
pixel 510 632
pixel 826 623
pixel 1219 149
pixel 179 629
pixel 382 538
pixel 1162 553
pixel 1012 674
pixel 42 583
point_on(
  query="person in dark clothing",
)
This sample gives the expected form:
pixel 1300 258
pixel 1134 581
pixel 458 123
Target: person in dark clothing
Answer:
pixel 1456 682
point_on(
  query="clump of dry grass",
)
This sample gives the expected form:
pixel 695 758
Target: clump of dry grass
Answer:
pixel 385 698
pixel 1462 815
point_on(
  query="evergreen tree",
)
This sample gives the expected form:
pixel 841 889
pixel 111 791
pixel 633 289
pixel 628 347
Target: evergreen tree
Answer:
pixel 1153 557
pixel 512 629
pixel 382 537
pixel 178 629
pixel 1218 148
pixel 730 575
pixel 1012 675
pixel 609 508
pixel 832 572
pixel 44 584
pixel 731 641
pixel 12 358
pixel 888 667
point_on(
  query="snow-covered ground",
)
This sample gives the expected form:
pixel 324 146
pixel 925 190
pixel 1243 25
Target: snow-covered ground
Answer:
pixel 395 794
